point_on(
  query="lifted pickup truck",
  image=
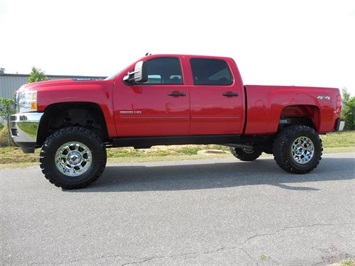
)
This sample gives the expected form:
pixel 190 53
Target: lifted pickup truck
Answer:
pixel 168 100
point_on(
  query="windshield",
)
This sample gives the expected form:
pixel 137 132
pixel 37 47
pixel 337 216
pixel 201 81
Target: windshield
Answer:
pixel 114 75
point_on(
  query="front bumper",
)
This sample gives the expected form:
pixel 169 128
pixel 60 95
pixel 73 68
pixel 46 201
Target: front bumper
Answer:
pixel 24 129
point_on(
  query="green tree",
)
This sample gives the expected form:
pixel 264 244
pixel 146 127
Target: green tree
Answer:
pixel 7 108
pixel 37 75
pixel 348 111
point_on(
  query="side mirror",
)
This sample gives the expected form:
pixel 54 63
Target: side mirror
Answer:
pixel 138 75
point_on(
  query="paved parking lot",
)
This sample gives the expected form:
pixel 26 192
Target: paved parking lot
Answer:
pixel 205 212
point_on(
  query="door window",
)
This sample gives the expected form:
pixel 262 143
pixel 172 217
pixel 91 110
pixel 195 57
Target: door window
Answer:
pixel 164 70
pixel 210 72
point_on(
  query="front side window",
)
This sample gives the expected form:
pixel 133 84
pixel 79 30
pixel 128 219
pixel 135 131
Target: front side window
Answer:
pixel 210 72
pixel 164 70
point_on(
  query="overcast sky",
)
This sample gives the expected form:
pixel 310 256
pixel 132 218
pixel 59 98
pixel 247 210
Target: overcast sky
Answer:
pixel 301 42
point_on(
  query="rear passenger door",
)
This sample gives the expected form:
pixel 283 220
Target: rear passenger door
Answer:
pixel 216 102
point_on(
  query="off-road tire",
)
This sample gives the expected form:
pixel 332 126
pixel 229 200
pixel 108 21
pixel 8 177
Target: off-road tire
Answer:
pixel 246 155
pixel 298 149
pixel 73 157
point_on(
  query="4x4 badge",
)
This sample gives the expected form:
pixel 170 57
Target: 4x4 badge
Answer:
pixel 323 98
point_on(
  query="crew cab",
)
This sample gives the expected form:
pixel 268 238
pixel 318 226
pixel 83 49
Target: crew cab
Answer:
pixel 170 99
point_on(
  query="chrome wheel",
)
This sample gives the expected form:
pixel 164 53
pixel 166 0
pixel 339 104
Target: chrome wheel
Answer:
pixel 302 150
pixel 73 159
pixel 248 151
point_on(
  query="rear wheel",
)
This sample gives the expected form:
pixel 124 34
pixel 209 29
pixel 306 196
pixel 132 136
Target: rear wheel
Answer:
pixel 298 149
pixel 73 157
pixel 246 154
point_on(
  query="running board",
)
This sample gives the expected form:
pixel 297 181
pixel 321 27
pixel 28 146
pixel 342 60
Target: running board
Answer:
pixel 147 142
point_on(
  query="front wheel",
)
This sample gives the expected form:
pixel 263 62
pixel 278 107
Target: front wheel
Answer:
pixel 73 157
pixel 298 149
pixel 246 154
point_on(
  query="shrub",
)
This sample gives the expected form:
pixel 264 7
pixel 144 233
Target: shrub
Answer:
pixel 4 137
pixel 348 111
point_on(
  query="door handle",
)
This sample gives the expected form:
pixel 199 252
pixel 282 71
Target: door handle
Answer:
pixel 176 94
pixel 230 94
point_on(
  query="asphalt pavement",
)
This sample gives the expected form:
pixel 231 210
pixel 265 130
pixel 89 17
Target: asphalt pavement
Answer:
pixel 201 212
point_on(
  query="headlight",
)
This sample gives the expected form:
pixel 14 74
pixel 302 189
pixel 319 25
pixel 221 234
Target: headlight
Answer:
pixel 27 101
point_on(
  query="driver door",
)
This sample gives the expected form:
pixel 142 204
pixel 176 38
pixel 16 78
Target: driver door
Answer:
pixel 157 107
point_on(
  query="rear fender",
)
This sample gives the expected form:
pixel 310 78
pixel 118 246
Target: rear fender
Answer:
pixel 300 114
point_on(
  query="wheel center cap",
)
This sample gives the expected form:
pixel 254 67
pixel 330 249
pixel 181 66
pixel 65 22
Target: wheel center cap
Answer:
pixel 299 150
pixel 74 158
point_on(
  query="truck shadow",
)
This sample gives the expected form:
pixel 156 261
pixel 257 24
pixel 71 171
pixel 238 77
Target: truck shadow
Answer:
pixel 219 174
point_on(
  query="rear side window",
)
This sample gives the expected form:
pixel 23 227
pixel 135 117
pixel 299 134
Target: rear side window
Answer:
pixel 210 72
pixel 164 70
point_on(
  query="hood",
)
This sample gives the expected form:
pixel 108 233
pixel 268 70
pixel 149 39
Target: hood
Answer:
pixel 61 84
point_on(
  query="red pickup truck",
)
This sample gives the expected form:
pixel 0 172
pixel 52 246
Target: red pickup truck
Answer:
pixel 168 100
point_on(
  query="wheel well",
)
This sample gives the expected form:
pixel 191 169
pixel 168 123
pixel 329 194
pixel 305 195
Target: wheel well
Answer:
pixel 56 116
pixel 307 115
